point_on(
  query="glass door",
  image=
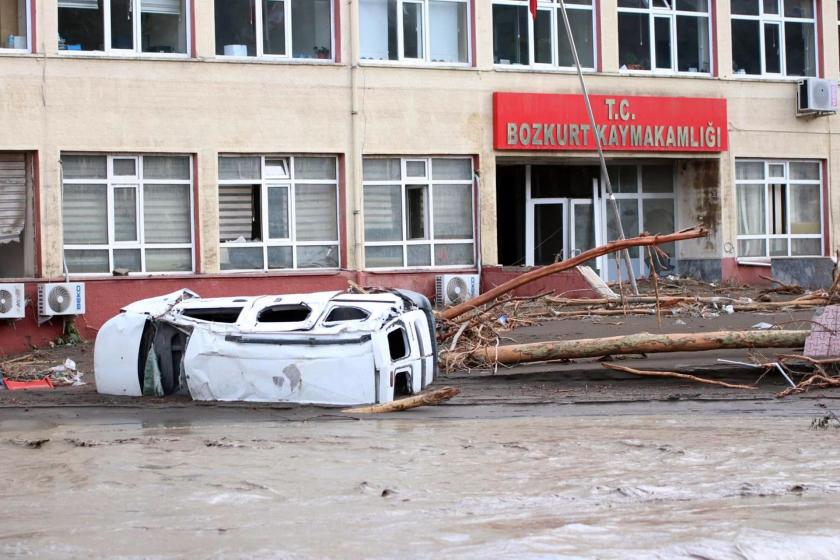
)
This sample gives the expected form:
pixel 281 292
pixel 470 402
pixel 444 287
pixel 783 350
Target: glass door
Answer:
pixel 549 232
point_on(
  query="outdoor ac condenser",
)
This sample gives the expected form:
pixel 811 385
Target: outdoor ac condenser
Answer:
pixel 452 289
pixel 12 301
pixel 816 97
pixel 61 299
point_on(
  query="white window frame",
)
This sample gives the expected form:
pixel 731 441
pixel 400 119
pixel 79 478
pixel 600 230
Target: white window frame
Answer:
pixel 137 51
pixel 287 18
pixel 28 49
pixel 291 184
pixel 404 182
pixel 556 19
pixel 670 13
pixel 427 52
pixel 137 182
pixel 787 181
pixel 778 19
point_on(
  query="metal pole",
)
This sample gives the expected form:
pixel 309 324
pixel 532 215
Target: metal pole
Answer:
pixel 626 253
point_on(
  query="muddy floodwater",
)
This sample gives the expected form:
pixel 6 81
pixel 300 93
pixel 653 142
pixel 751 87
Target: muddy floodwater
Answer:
pixel 716 487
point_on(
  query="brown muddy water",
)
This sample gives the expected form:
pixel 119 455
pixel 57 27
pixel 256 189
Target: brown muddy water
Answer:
pixel 720 487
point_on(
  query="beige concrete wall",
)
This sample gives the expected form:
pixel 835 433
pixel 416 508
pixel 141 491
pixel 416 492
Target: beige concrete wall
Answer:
pixel 51 102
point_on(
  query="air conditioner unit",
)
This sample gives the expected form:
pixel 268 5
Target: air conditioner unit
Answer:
pixel 816 97
pixel 452 289
pixel 61 299
pixel 12 301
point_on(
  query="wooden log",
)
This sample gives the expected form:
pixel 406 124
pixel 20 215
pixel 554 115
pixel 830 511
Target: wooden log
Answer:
pixel 536 274
pixel 642 343
pixel 423 399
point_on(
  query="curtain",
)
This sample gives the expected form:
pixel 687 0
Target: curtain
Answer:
pixel 85 213
pixel 316 213
pixel 84 167
pixel 236 212
pixel 166 213
pixel 453 211
pixel 315 168
pixel 239 168
pixel 167 168
pixel 381 170
pixel 452 169
pixel 383 213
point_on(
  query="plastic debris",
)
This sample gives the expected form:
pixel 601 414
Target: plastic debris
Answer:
pixel 729 309
pixel 44 383
pixel 680 322
pixel 762 326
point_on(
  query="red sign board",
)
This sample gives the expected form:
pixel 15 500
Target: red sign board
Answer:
pixel 559 122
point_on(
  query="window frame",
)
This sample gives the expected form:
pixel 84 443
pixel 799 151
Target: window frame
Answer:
pixel 657 12
pixel 767 237
pixel 259 53
pixel 406 182
pixel 29 28
pixel 778 19
pixel 290 183
pixel 137 51
pixel 426 60
pixel 553 6
pixel 137 182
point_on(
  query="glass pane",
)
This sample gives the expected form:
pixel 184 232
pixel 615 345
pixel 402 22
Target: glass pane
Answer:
pixel 168 260
pixel 549 234
pixel 629 211
pixel 166 214
pixel 84 167
pixel 378 29
pixel 384 257
pixel 752 248
pixel 312 29
pixel 417 212
pixel 633 41
pixel 693 6
pixel 239 168
pixel 279 257
pixel 125 167
pixel 452 169
pixel 381 169
pixel 81 27
pixel 623 178
pixel 125 214
pixel 751 210
pixel 806 247
pixel 240 213
pixel 419 255
pixel 85 213
pixel 745 7
pixel 772 49
pixel 805 170
pixel 316 213
pixel 746 47
pixel 456 254
pixel 749 170
pixel 805 212
pixel 510 34
pixel 583 33
pixel 453 211
pixel 583 221
pixel 413 30
pixel 771 6
pixel 383 213
pixel 163 26
pixel 236 33
pixel 448 35
pixel 416 169
pixel 128 259
pixel 799 8
pixel 693 44
pixel 657 179
pixel 776 170
pixel 86 261
pixel 542 37
pixel 166 167
pixel 278 213
pixel 240 258
pixel 662 34
pixel 658 217
pixel 315 168
pixel 277 168
pixel 13 30
pixel 800 49
pixel 778 247
pixel 317 257
pixel 274 26
pixel 122 24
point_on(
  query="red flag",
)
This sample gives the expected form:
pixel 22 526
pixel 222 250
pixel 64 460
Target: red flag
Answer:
pixel 534 9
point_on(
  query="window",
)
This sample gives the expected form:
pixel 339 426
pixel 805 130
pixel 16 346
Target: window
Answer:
pixel 14 25
pixel 779 206
pixel 275 28
pixel 418 212
pixel 664 35
pixel 127 212
pixel 521 40
pixel 774 37
pixel 398 344
pixel 415 30
pixel 278 212
pixel 113 26
pixel 17 234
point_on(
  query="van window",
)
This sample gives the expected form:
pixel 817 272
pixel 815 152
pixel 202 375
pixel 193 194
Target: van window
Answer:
pixel 343 313
pixel 284 314
pixel 397 344
pixel 214 314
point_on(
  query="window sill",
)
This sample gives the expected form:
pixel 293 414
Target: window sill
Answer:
pixel 540 69
pixel 271 60
pixel 16 52
pixel 190 275
pixel 459 269
pixel 665 74
pixel 756 261
pixel 99 55
pixel 416 65
pixel 769 79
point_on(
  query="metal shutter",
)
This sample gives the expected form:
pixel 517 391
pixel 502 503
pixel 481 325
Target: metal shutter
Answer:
pixel 12 196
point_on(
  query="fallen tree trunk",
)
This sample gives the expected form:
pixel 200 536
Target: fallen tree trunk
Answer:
pixel 612 247
pixel 642 343
pixel 423 399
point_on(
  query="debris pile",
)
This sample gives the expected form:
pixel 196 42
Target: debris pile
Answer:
pixel 34 368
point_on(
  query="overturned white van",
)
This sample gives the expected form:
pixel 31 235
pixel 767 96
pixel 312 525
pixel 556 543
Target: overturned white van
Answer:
pixel 333 348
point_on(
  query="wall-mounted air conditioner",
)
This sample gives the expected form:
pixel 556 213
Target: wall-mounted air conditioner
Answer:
pixel 61 299
pixel 452 289
pixel 816 97
pixel 12 301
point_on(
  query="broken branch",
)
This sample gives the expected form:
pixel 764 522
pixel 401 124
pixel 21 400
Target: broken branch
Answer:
pixel 423 399
pixel 675 375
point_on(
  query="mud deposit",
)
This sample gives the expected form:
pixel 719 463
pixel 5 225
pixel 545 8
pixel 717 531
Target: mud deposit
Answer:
pixel 723 487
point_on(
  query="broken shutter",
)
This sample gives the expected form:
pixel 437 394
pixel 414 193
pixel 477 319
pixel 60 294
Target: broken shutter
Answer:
pixel 236 212
pixel 12 196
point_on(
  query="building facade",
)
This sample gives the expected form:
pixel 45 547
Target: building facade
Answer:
pixel 273 146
